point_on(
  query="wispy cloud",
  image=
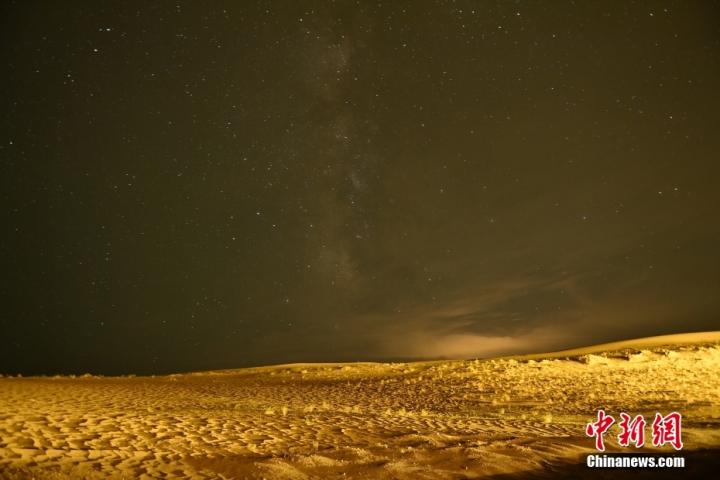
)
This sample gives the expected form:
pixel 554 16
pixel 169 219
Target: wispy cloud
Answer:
pixel 522 316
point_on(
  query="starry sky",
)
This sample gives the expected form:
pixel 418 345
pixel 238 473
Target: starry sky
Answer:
pixel 200 185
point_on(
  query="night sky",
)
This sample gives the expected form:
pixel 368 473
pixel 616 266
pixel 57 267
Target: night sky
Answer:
pixel 201 185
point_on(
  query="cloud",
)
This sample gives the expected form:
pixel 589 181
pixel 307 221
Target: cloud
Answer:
pixel 470 345
pixel 528 315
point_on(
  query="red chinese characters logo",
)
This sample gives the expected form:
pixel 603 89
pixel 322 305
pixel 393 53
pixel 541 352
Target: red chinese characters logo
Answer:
pixel 632 431
pixel 665 430
pixel 598 429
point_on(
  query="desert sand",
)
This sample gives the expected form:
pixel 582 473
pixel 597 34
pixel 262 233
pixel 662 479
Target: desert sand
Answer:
pixel 512 417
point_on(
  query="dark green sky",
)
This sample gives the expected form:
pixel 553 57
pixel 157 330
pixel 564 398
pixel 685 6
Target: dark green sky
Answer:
pixel 219 184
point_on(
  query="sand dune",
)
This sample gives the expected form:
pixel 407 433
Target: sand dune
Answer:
pixel 637 343
pixel 500 417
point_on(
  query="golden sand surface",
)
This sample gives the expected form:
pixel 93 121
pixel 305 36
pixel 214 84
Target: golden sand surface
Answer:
pixel 497 418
